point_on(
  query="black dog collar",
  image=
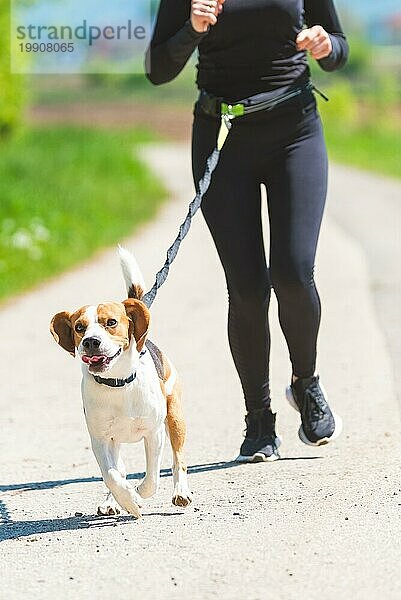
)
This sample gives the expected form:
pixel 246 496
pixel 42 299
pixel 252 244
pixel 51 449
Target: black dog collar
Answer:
pixel 114 382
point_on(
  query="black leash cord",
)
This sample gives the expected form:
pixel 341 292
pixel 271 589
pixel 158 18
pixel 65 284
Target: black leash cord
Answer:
pixel 204 183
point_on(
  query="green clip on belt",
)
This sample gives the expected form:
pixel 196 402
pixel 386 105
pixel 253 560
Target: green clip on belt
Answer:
pixel 232 110
pixel 228 112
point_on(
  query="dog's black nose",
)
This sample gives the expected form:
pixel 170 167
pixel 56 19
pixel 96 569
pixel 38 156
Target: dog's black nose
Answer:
pixel 91 343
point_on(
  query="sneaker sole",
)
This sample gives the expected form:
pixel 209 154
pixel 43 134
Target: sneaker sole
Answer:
pixel 259 456
pixel 338 422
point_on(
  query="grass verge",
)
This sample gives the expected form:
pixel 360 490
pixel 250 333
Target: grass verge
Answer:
pixel 362 132
pixel 65 193
pixel 376 149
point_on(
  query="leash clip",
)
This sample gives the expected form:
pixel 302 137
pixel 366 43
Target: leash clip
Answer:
pixel 232 110
pixel 228 113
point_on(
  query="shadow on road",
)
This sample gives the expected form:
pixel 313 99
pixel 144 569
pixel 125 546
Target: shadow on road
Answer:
pixel 11 530
pixel 16 529
pixel 192 469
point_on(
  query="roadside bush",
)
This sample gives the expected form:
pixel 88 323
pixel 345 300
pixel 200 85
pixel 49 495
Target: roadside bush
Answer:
pixel 342 109
pixel 11 97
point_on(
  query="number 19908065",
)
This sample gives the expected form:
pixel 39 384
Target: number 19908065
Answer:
pixel 47 47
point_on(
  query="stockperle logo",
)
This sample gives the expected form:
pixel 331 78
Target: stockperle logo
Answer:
pixel 75 36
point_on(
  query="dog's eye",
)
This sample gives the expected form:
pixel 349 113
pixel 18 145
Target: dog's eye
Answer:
pixel 111 323
pixel 79 328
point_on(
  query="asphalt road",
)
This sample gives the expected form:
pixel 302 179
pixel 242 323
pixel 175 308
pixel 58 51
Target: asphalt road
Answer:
pixel 320 523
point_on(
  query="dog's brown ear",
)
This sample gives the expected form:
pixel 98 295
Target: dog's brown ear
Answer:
pixel 139 317
pixel 61 330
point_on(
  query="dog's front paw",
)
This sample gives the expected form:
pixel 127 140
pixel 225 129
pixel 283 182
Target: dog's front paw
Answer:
pixel 182 495
pixel 130 501
pixel 109 507
pixel 133 507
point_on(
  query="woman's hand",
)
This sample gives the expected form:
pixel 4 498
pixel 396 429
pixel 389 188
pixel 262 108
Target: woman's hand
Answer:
pixel 316 40
pixel 204 13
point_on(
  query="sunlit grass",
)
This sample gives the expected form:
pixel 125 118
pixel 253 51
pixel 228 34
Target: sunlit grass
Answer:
pixel 65 193
pixel 376 149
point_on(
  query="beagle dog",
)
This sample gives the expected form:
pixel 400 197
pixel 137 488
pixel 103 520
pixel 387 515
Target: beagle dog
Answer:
pixel 130 392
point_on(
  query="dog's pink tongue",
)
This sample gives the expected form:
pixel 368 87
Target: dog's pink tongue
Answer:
pixel 92 359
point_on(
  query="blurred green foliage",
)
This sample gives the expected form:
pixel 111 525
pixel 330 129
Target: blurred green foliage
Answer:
pixel 65 193
pixel 343 103
pixel 366 71
pixel 107 87
pixel 362 121
pixel 11 86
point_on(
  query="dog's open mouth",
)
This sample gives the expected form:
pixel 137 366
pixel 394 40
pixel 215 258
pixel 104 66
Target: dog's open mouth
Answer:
pixel 99 361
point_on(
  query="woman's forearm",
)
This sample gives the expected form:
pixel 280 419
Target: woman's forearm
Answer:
pixel 165 60
pixel 179 29
pixel 323 13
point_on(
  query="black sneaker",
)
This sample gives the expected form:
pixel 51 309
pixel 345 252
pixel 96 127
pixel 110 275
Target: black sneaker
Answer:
pixel 261 441
pixel 319 424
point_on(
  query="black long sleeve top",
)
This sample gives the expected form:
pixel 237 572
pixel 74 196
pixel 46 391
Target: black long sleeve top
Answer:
pixel 251 49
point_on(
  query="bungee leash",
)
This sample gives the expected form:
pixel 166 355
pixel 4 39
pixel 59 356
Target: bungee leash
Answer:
pixel 227 113
pixel 193 208
pixel 204 183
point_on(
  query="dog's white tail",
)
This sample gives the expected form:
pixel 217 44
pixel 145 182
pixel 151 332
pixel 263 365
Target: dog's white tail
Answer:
pixel 133 277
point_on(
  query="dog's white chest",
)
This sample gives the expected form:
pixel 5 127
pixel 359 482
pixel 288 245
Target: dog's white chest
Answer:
pixel 125 415
pixel 127 429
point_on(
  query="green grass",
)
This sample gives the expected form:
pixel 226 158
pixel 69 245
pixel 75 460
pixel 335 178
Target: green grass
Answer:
pixel 362 130
pixel 376 149
pixel 65 193
pixel 362 119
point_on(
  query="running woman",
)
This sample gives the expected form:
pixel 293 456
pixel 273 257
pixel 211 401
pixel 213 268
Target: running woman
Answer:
pixel 254 52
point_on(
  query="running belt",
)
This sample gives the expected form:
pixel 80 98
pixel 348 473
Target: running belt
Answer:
pixel 217 107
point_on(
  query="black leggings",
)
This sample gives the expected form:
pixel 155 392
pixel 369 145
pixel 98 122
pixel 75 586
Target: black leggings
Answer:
pixel 284 149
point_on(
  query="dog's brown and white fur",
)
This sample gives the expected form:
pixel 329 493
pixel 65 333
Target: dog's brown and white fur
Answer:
pixel 110 339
